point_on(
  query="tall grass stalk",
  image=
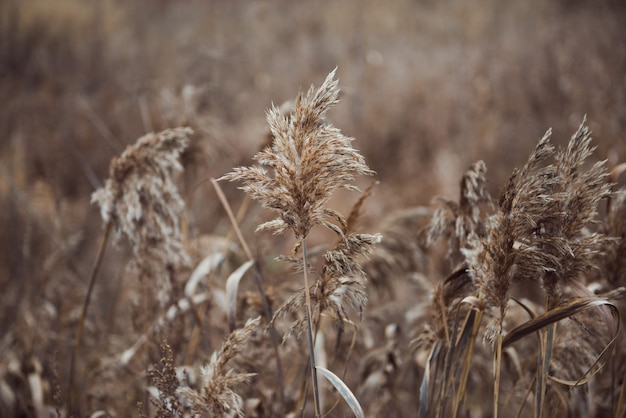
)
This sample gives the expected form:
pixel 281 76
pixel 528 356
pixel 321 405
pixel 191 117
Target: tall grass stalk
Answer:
pixel 497 367
pixel 307 160
pixel 310 336
pixel 81 322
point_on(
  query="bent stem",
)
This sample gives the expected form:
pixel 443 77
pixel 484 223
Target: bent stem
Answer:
pixel 310 330
pixel 83 315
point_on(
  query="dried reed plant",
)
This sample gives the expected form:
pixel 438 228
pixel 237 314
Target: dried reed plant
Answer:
pixel 166 381
pixel 140 201
pixel 341 285
pixel 541 233
pixel 461 222
pixel 308 160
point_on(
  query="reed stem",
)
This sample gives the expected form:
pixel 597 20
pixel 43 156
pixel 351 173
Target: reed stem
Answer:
pixel 83 315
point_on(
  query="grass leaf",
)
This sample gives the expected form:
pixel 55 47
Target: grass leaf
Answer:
pixel 232 285
pixel 554 315
pixel 343 390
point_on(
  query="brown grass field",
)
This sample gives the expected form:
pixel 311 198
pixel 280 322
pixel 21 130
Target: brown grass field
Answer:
pixel 312 209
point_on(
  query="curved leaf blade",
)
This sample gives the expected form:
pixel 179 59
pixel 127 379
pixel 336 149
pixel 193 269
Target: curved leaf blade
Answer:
pixel 343 390
pixel 232 286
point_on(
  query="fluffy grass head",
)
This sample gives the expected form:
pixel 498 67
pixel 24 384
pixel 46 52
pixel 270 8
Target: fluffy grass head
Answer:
pixel 141 200
pixel 308 159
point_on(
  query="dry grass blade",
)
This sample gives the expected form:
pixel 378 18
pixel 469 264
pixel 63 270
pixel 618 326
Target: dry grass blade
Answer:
pixel 231 216
pixel 546 340
pixel 206 266
pixel 547 321
pixel 426 387
pixel 465 346
pixel 343 390
pixel 565 311
pixel 232 285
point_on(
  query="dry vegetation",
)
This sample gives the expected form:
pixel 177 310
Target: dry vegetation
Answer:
pixel 437 250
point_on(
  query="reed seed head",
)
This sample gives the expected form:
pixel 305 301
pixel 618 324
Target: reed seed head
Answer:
pixel 216 396
pixel 539 231
pixel 309 158
pixel 141 200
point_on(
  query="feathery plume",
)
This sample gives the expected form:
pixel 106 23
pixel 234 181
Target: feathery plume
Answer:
pixel 461 222
pixel 142 201
pixel 309 159
pixel 538 233
pixel 580 193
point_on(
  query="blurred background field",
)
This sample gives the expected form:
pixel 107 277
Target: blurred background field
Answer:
pixel 428 87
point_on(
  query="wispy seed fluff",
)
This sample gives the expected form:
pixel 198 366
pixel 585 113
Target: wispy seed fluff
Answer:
pixel 308 159
pixel 141 200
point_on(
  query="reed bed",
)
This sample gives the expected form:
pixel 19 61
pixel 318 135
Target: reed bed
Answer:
pixel 527 305
pixel 306 294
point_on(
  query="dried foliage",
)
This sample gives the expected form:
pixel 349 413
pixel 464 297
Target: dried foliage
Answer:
pixel 541 235
pixel 505 300
pixel 166 382
pixel 538 232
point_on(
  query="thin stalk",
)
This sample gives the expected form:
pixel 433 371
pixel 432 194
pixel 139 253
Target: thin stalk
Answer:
pixel 545 353
pixel 231 216
pixel 310 330
pixel 521 409
pixel 466 343
pixel 83 315
pixel 267 310
pixel 497 367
